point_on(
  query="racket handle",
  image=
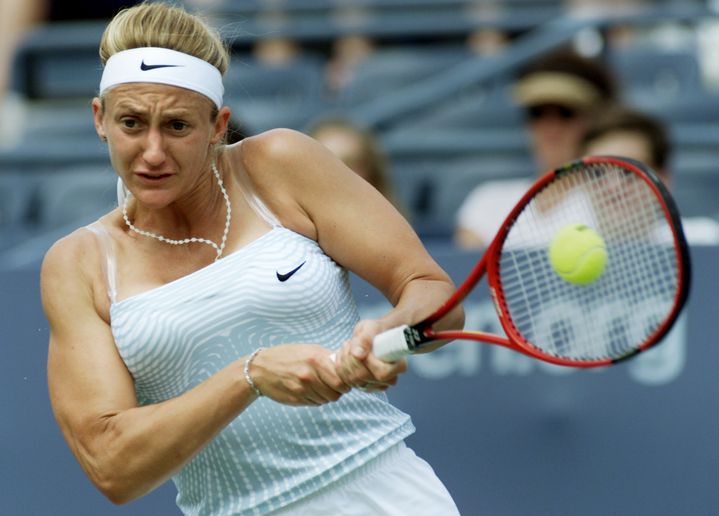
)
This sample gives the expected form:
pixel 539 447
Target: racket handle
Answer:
pixel 392 345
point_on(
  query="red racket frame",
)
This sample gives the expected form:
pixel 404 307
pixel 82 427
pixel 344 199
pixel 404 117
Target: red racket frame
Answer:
pixel 489 264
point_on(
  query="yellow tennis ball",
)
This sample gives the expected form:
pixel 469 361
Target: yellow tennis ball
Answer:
pixel 578 254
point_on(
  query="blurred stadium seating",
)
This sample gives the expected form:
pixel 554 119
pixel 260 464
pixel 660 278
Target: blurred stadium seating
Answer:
pixel 397 67
pixel 442 112
pixel 64 197
pixel 663 76
pixel 264 96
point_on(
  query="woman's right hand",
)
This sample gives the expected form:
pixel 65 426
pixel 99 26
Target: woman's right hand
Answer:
pixel 297 374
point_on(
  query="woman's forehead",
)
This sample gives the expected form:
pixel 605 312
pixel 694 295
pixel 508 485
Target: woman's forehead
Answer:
pixel 154 97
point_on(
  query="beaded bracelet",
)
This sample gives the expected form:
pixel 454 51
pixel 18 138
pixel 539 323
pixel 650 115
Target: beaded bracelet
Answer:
pixel 248 378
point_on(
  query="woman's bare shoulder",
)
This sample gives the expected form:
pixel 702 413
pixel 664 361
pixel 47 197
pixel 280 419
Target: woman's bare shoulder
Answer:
pixel 73 258
pixel 64 254
pixel 275 150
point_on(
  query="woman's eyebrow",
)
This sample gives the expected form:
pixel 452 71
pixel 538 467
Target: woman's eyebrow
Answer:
pixel 135 110
pixel 131 108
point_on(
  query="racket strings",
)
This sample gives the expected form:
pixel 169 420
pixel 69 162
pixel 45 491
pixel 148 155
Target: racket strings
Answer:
pixel 591 322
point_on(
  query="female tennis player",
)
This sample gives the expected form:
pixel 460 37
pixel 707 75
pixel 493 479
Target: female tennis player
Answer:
pixel 192 328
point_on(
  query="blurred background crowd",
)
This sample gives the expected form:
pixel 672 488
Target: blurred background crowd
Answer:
pixel 449 107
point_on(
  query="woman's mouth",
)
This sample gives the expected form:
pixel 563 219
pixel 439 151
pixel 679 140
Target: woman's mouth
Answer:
pixel 152 177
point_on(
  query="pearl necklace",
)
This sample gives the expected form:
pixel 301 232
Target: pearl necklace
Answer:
pixel 219 248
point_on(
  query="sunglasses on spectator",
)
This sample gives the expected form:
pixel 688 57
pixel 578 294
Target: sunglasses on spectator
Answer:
pixel 541 111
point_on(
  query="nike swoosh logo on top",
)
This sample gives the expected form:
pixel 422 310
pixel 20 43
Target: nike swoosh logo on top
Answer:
pixel 145 67
pixel 288 275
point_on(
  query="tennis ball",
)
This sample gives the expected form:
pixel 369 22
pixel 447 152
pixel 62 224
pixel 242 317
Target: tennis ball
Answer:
pixel 578 254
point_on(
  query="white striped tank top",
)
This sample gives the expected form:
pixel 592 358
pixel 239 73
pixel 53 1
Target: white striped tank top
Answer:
pixel 175 336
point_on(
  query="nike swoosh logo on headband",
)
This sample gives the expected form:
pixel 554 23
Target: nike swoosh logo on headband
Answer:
pixel 145 67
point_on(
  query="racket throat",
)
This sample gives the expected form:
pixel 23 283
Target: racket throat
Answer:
pixel 417 337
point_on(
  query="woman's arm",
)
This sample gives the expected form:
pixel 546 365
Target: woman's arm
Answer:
pixel 315 194
pixel 125 449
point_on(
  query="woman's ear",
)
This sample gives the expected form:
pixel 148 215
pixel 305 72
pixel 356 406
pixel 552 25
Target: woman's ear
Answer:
pixel 97 116
pixel 221 123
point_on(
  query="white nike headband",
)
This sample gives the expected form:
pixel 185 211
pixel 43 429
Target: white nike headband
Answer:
pixel 163 66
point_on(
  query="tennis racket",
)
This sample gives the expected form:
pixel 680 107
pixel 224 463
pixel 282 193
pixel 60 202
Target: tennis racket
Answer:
pixel 642 288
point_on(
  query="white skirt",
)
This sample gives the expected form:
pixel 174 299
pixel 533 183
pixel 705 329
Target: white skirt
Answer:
pixel 397 483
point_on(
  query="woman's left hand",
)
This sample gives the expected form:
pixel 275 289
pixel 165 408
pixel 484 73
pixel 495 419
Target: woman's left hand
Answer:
pixel 358 367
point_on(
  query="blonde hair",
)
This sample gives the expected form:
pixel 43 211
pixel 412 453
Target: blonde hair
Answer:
pixel 166 26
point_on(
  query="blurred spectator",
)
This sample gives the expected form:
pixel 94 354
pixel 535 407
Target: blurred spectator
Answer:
pixel 598 8
pixel 487 41
pixel 633 134
pixel 277 51
pixel 623 33
pixel 17 17
pixel 559 93
pixel 488 38
pixel 346 54
pixel 358 148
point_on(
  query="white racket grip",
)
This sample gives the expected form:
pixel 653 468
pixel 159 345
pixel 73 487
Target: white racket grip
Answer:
pixel 391 345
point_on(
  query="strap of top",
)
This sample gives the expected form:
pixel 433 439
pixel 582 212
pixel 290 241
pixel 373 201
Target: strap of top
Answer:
pixel 254 200
pixel 107 253
pixel 256 203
